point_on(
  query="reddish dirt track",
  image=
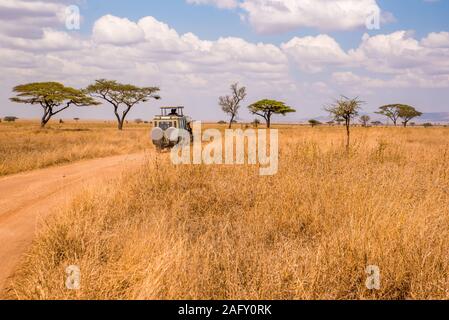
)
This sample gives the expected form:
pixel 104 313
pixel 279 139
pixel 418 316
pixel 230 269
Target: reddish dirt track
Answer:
pixel 28 197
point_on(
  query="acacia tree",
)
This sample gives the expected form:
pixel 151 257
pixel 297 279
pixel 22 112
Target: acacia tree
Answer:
pixel 266 108
pixel 123 97
pixel 256 123
pixel 390 111
pixel 314 123
pixel 407 113
pixel 53 97
pixel 346 109
pixel 365 120
pixel 231 104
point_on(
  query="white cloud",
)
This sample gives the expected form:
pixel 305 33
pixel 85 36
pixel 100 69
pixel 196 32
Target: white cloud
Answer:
pixel 436 40
pixel 398 60
pixel 400 52
pixel 51 40
pixel 313 54
pixel 282 15
pixel 144 50
pixel 389 52
pixel 23 8
pixel 273 16
pixel 27 18
pixel 118 31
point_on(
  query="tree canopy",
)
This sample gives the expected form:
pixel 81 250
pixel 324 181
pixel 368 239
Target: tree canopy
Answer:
pixel 314 123
pixel 345 109
pixel 121 95
pixel 266 108
pixel 407 113
pixel 391 111
pixel 53 97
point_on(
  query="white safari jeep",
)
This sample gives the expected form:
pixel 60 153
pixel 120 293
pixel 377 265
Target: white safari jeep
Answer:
pixel 165 133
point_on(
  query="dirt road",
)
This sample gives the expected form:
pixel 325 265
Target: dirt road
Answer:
pixel 25 198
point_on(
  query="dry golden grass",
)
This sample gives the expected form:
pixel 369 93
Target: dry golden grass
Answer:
pixel 216 232
pixel 23 146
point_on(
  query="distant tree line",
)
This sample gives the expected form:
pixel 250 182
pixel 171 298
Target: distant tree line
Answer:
pixel 55 97
pixel 343 110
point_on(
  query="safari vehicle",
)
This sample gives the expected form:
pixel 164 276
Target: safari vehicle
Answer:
pixel 165 133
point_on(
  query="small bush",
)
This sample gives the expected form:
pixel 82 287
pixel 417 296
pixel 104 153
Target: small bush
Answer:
pixel 10 119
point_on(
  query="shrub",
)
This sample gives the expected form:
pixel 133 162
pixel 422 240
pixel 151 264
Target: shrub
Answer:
pixel 10 119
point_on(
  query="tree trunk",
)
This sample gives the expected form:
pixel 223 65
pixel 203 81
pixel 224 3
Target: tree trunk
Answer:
pixel 348 135
pixel 268 122
pixel 45 118
pixel 230 122
pixel 120 120
pixel 43 123
pixel 120 124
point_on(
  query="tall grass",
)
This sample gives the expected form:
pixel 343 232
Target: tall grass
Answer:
pixel 23 146
pixel 217 232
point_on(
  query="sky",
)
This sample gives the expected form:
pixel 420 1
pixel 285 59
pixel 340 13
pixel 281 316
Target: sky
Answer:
pixel 305 53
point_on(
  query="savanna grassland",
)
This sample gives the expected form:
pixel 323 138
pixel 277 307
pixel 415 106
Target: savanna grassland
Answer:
pixel 24 146
pixel 224 232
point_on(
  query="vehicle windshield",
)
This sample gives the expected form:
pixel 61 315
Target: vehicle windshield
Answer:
pixel 164 125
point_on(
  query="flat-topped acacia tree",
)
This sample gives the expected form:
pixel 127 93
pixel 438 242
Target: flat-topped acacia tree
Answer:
pixel 314 123
pixel 266 108
pixel 121 96
pixel 391 111
pixel 53 97
pixel 407 113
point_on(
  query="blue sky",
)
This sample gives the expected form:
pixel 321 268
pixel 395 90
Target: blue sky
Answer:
pixel 304 62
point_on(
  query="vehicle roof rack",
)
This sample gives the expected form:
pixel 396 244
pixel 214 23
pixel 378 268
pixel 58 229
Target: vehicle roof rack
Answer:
pixel 166 110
